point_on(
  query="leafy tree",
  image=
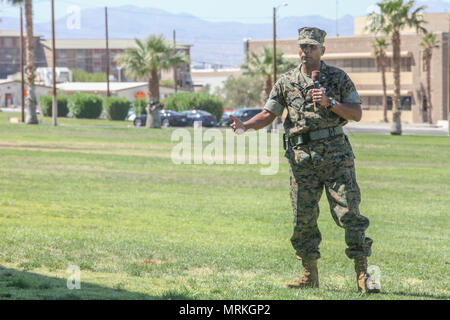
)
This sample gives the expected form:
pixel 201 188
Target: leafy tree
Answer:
pixel 242 91
pixel 428 43
pixel 393 17
pixel 147 60
pixel 261 66
pixel 83 76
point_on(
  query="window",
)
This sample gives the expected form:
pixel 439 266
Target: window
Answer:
pixel 8 42
pixel 62 53
pixel 406 103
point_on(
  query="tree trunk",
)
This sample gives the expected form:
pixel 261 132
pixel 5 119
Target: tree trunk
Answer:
pixel 267 88
pixel 397 124
pixel 383 81
pixel 153 106
pixel 30 101
pixel 428 66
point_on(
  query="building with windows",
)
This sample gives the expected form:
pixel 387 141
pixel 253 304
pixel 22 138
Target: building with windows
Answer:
pixel 81 54
pixel 10 53
pixel 90 55
pixel 354 55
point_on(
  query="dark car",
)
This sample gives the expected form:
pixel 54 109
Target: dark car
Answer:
pixel 206 118
pixel 225 120
pixel 168 118
pixel 243 115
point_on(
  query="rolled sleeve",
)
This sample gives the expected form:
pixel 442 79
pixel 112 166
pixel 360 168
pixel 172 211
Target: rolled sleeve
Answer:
pixel 352 97
pixel 276 103
pixel 348 91
pixel 275 107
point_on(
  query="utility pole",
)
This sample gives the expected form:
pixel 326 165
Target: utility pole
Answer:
pixel 274 61
pixel 448 72
pixel 22 85
pixel 108 93
pixel 337 23
pixel 54 99
pixel 175 86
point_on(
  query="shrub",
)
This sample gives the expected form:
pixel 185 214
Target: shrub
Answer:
pixel 46 102
pixel 83 76
pixel 139 105
pixel 116 108
pixel 200 101
pixel 84 105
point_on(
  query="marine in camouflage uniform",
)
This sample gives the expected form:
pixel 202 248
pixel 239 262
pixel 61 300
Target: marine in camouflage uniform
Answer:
pixel 326 163
pixel 319 154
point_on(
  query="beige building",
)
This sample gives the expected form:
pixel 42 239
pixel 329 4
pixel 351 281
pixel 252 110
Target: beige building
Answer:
pixel 90 55
pixel 129 90
pixel 82 54
pixel 354 55
pixel 215 79
pixel 10 93
pixel 10 53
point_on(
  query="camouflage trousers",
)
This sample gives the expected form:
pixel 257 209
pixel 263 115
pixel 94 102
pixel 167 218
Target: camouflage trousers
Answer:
pixel 326 165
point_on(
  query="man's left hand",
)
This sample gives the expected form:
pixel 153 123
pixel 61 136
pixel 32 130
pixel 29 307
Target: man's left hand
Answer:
pixel 319 96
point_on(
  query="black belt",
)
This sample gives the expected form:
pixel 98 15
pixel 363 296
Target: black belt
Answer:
pixel 305 138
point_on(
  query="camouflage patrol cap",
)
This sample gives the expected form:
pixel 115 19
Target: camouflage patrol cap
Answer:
pixel 308 35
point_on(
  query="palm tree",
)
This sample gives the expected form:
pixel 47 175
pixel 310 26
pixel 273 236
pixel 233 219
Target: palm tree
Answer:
pixel 394 16
pixel 147 60
pixel 30 101
pixel 261 66
pixel 379 46
pixel 428 43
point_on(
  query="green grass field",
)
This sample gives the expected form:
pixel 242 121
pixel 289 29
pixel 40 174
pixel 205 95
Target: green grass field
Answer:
pixel 108 198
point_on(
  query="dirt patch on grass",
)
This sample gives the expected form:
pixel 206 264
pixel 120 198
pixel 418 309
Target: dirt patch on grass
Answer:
pixel 153 262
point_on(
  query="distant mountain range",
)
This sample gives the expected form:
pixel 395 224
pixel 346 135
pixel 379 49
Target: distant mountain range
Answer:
pixel 213 42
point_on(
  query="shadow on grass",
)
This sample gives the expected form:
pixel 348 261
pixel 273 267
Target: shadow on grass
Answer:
pixel 23 285
pixel 420 295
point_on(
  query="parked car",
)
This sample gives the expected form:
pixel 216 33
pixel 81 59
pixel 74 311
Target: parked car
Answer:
pixel 168 118
pixel 131 116
pixel 206 118
pixel 243 115
pixel 225 120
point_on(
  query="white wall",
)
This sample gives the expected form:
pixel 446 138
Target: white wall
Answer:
pixel 14 89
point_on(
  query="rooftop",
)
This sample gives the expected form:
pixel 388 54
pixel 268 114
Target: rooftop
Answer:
pixel 98 86
pixel 15 33
pixel 97 44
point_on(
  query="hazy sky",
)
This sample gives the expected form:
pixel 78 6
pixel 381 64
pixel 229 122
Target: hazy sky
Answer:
pixel 248 11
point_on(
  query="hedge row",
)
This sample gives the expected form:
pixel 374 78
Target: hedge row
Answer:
pixel 200 101
pixel 91 106
pixel 46 105
pixel 88 106
pixel 116 108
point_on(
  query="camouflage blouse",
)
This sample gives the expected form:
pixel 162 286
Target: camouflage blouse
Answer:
pixel 291 92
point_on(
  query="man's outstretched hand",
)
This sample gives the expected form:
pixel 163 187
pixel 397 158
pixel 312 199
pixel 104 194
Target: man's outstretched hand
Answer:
pixel 237 126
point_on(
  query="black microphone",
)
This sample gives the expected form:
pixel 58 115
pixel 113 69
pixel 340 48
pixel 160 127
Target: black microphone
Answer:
pixel 315 77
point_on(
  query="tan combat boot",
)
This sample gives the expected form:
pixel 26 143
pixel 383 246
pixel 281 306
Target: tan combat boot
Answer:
pixel 310 277
pixel 364 282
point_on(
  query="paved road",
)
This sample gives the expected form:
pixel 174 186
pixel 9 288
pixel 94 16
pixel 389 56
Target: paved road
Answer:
pixel 380 128
pixel 385 128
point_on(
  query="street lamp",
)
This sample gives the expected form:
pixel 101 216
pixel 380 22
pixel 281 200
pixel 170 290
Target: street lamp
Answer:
pixel 284 4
